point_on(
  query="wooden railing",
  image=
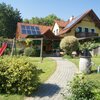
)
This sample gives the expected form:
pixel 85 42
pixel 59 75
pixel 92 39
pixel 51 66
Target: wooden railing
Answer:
pixel 85 34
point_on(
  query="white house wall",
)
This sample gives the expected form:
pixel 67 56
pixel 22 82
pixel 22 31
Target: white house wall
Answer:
pixel 56 27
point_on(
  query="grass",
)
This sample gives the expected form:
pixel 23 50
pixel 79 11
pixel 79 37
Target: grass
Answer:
pixel 48 67
pixel 94 76
pixel 11 97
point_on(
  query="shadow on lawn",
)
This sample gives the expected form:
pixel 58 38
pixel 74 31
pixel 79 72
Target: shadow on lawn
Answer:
pixel 93 71
pixel 47 90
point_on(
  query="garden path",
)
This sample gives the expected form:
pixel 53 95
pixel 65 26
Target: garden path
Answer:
pixel 53 88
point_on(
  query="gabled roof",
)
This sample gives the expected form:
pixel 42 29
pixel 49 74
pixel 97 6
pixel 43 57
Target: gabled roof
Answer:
pixel 76 20
pixel 61 23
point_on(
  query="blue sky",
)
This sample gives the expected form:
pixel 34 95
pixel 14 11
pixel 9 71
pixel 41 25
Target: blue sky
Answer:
pixel 62 8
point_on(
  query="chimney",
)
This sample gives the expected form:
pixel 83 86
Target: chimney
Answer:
pixel 71 18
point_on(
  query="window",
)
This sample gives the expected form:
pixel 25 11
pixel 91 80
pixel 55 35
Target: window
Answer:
pixel 86 30
pixel 92 30
pixel 79 29
pixel 56 31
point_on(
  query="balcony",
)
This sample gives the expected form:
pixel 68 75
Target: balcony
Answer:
pixel 86 34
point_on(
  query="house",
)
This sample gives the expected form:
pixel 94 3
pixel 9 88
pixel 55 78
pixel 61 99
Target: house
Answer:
pixel 58 26
pixel 37 32
pixel 84 26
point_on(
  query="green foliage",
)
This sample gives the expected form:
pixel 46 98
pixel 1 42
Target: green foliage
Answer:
pixel 7 51
pixel 48 20
pixel 8 20
pixel 94 76
pixel 28 42
pixel 2 40
pixel 18 75
pixel 29 51
pixel 81 89
pixel 88 45
pixel 19 51
pixel 69 44
pixel 67 57
pixel 26 21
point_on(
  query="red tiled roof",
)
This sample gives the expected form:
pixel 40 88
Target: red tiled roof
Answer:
pixel 50 36
pixel 61 23
pixel 78 20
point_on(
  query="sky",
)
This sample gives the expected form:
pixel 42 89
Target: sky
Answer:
pixel 64 9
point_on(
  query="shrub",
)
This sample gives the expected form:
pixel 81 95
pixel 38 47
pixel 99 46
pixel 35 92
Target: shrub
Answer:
pixel 19 51
pixel 29 51
pixel 69 44
pixel 18 75
pixel 81 89
pixel 67 57
pixel 7 51
pixel 28 42
pixel 88 45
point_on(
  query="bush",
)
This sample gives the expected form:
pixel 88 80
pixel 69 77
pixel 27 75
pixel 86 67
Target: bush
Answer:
pixel 69 44
pixel 29 51
pixel 88 45
pixel 7 51
pixel 67 57
pixel 81 89
pixel 18 75
pixel 19 51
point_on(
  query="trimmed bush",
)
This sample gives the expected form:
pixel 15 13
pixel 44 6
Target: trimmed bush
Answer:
pixel 29 51
pixel 69 44
pixel 18 75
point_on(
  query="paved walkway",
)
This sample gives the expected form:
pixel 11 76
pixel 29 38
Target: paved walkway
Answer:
pixel 56 84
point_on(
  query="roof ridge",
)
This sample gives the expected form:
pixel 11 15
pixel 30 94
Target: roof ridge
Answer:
pixel 76 20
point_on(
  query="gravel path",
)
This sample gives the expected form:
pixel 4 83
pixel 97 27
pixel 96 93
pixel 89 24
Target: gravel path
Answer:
pixel 53 88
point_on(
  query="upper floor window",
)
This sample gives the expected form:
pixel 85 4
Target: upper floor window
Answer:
pixel 86 30
pixel 93 30
pixel 79 29
pixel 57 31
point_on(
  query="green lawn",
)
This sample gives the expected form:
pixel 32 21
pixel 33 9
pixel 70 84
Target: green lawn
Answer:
pixel 11 97
pixel 48 67
pixel 94 76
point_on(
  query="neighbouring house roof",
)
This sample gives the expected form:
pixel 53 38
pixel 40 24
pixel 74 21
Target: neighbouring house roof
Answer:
pixel 45 31
pixel 76 20
pixel 61 23
pixel 50 36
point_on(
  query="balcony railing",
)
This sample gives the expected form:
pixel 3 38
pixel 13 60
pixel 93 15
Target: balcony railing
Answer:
pixel 85 34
